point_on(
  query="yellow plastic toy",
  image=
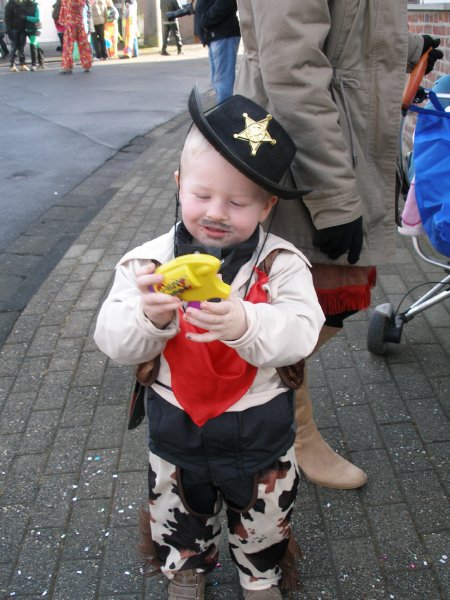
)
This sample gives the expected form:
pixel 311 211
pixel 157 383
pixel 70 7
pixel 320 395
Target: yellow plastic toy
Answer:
pixel 192 277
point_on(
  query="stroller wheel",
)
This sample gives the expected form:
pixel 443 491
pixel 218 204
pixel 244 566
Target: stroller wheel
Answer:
pixel 379 326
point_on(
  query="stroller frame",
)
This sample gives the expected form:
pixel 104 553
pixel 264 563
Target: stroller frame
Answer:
pixel 385 323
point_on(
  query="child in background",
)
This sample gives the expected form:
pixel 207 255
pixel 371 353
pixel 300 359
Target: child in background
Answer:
pixel 33 28
pixel 220 418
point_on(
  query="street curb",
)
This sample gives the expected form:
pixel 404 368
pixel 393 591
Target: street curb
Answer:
pixel 33 255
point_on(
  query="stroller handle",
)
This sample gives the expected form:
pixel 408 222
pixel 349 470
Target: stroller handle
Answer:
pixel 414 79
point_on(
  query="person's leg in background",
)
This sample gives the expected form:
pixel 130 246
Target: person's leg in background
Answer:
pixel 222 58
pixel 95 44
pixel 67 50
pixel 84 48
pixel 37 54
pixel 40 56
pixel 21 43
pixel 3 47
pixel 212 66
pixel 101 43
pixel 13 51
pixel 165 38
pixel 128 37
pixel 177 35
pixel 33 52
pixel 61 41
pixel 319 463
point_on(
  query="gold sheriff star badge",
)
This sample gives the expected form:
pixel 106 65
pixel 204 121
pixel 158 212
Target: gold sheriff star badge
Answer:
pixel 255 133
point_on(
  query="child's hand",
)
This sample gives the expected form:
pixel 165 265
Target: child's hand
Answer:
pixel 225 320
pixel 159 308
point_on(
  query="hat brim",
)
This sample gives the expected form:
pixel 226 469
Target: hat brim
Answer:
pixel 199 118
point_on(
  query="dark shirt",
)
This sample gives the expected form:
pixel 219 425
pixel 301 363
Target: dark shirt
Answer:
pixel 215 19
pixel 15 13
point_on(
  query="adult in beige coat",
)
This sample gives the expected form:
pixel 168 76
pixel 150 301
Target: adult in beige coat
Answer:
pixel 332 72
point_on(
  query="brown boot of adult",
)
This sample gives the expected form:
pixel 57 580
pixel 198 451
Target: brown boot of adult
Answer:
pixel 320 463
pixel 187 585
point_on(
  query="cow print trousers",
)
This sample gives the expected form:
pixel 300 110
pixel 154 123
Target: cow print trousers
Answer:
pixel 258 531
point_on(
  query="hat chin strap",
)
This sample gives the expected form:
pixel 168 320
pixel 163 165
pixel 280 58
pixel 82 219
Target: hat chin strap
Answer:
pixel 272 216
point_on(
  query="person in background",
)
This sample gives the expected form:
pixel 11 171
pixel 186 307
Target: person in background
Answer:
pixel 111 29
pixel 170 27
pixel 217 26
pixel 72 17
pixel 3 47
pixel 118 5
pixel 15 14
pixel 99 16
pixel 333 72
pixel 130 30
pixel 56 8
pixel 33 28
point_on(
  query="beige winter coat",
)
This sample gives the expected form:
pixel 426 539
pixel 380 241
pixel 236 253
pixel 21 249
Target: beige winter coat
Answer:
pixel 332 72
pixel 99 11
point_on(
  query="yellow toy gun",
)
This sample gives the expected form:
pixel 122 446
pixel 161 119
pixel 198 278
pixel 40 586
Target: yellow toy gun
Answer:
pixel 193 278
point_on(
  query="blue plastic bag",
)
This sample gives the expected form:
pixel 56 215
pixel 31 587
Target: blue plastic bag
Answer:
pixel 432 171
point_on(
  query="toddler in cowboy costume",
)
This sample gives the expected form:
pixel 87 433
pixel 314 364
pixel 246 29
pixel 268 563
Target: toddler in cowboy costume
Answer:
pixel 220 418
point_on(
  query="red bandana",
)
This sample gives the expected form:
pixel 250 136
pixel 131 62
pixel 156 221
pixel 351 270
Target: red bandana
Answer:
pixel 213 376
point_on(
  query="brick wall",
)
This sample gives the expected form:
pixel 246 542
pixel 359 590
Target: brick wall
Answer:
pixel 437 24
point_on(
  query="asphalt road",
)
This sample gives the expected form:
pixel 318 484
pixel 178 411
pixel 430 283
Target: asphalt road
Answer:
pixel 64 140
pixel 57 129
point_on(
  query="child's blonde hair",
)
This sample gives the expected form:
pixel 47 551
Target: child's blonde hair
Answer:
pixel 194 144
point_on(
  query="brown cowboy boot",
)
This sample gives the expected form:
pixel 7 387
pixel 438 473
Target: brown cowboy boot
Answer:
pixel 187 585
pixel 320 463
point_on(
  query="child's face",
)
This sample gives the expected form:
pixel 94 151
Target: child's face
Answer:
pixel 220 206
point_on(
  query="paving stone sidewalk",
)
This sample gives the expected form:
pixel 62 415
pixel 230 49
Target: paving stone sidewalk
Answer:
pixel 72 477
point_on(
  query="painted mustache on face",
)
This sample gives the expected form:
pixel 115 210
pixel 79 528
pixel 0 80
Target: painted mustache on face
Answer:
pixel 213 225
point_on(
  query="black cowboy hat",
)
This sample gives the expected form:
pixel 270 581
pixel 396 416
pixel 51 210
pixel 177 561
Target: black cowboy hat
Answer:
pixel 250 139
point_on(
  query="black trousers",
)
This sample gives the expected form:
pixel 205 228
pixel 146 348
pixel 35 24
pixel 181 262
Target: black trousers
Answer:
pixel 3 47
pixel 99 41
pixel 37 55
pixel 18 42
pixel 173 28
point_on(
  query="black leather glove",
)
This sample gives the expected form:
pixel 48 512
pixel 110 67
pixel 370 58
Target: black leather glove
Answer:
pixel 337 240
pixel 429 42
